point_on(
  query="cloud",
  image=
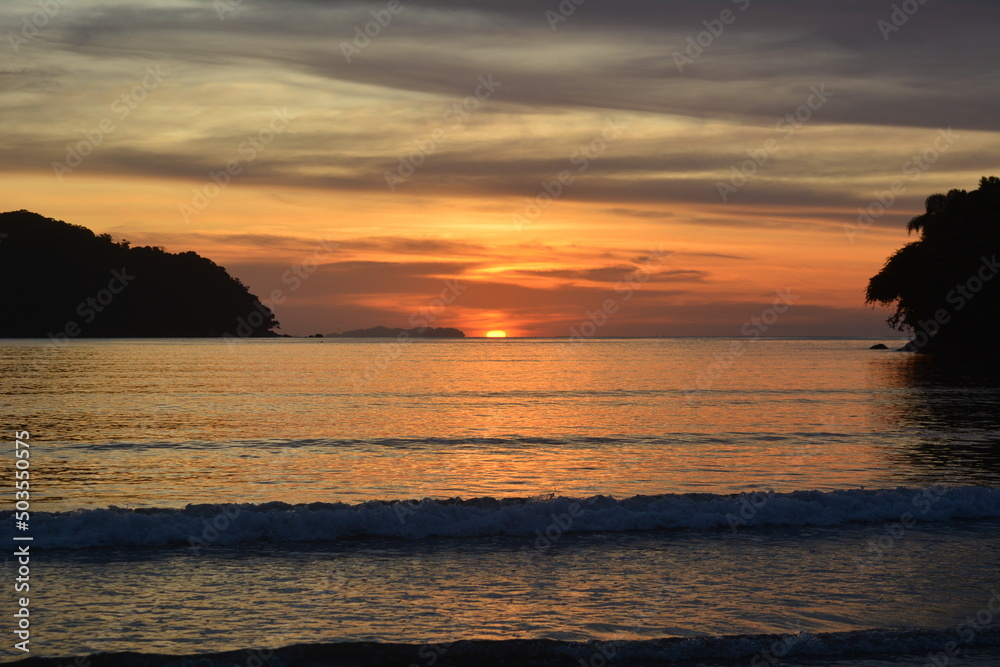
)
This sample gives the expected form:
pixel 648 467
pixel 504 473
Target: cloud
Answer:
pixel 355 122
pixel 292 245
pixel 616 274
pixel 393 105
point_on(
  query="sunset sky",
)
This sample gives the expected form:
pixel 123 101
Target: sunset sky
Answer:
pixel 538 164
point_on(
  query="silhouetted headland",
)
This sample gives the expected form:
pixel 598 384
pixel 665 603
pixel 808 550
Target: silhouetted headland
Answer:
pixel 62 281
pixel 386 332
pixel 944 285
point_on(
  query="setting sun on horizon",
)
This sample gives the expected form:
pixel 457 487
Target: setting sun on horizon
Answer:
pixel 746 252
pixel 350 193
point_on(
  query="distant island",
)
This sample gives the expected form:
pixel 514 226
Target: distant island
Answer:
pixel 944 285
pixel 386 332
pixel 62 281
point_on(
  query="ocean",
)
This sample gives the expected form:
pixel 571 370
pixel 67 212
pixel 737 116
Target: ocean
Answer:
pixel 503 501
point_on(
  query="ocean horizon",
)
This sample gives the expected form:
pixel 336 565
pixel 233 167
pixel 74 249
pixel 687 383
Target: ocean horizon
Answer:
pixel 666 500
pixel 372 333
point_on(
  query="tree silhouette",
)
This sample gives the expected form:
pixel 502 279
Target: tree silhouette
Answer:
pixel 944 285
pixel 63 281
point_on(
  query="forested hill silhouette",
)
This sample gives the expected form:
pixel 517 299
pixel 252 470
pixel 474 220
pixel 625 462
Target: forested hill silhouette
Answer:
pixel 62 281
pixel 945 285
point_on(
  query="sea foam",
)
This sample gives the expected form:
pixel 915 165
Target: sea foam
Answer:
pixel 206 524
pixel 874 646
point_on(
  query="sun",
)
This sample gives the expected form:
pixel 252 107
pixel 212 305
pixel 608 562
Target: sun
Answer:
pixel 496 333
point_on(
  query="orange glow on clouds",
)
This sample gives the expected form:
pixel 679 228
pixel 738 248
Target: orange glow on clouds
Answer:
pixel 381 266
pixel 530 211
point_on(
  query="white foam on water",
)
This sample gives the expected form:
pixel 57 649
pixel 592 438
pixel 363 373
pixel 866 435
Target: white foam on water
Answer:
pixel 203 525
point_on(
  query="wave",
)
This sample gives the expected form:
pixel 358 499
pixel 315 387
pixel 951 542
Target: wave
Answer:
pixel 859 647
pixel 540 517
pixel 369 443
pixel 411 443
